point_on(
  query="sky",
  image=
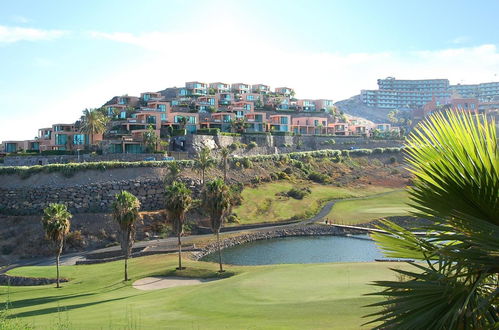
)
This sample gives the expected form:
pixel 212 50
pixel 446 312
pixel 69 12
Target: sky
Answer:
pixel 60 57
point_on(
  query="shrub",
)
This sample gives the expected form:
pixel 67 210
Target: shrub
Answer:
pixel 233 146
pixel 208 131
pixel 228 133
pixel 252 145
pixel 74 239
pixel 298 193
pixel 393 160
pixel 318 177
pixel 378 150
pixel 283 176
pixel 246 163
pixel 233 218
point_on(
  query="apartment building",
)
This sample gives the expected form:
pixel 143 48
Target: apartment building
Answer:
pixel 260 89
pixel 220 87
pixel 240 88
pixel 484 92
pixel 196 105
pixel 394 93
pixel 285 91
pixel 309 125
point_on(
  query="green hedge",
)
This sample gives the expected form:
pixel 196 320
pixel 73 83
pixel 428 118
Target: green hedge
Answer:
pixel 70 169
pixel 208 131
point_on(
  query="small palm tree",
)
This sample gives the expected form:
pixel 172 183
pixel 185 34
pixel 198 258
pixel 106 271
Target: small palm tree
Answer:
pixel 455 161
pixel 217 202
pixel 126 212
pixel 225 153
pixel 56 224
pixel 93 122
pixel 173 172
pixel 204 162
pixel 178 201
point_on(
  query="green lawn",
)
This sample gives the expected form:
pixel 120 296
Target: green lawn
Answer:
pixel 281 296
pixel 363 210
pixel 262 204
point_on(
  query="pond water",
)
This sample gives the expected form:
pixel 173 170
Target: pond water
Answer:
pixel 301 250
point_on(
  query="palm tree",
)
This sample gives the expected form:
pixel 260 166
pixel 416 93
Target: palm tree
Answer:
pixel 455 161
pixel 204 162
pixel 173 172
pixel 217 202
pixel 126 213
pixel 225 153
pixel 93 122
pixel 178 200
pixel 56 225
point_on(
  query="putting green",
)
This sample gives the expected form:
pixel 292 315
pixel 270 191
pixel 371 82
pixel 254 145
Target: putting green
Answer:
pixel 329 296
pixel 370 208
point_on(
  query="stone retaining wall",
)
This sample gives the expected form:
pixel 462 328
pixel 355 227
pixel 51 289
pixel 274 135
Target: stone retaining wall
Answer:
pixel 27 281
pixel 92 197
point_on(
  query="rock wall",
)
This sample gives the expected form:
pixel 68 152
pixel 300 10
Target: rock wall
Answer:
pixel 82 198
pixel 271 144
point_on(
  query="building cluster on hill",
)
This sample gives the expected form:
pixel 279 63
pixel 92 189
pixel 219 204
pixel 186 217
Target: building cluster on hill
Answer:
pixel 416 94
pixel 201 108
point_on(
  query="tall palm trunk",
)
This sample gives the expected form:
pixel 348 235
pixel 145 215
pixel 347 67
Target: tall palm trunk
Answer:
pixel 219 251
pixel 59 251
pixel 225 170
pixel 126 268
pixel 202 172
pixel 179 252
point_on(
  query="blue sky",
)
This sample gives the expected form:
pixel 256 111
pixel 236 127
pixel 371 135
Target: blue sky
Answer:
pixel 59 57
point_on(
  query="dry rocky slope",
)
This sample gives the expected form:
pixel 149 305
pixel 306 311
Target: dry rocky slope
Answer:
pixel 22 235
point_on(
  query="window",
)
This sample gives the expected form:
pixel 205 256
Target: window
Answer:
pixel 161 107
pixel 61 139
pixel 163 116
pixel 250 97
pixel 11 147
pixel 80 139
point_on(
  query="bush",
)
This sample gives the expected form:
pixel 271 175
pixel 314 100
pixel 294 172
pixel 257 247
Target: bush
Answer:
pixel 393 160
pixel 252 145
pixel 298 193
pixel 208 131
pixel 229 134
pixel 283 176
pixel 246 163
pixel 233 218
pixel 328 142
pixel 318 177
pixel 74 239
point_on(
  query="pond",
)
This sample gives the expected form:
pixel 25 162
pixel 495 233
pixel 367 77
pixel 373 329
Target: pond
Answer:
pixel 301 250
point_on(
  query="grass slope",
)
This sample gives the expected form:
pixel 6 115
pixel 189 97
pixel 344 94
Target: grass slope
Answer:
pixel 363 210
pixel 262 204
pixel 278 296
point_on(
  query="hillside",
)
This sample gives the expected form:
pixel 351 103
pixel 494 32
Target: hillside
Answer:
pixel 354 106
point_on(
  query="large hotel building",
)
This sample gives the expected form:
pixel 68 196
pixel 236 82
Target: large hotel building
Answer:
pixel 411 94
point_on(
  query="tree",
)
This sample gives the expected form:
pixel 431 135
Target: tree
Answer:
pixel 204 162
pixel 392 116
pixel 182 122
pixel 217 203
pixel 455 161
pixel 173 172
pixel 225 153
pixel 56 224
pixel 93 122
pixel 178 200
pixel 126 213
pixel 238 125
pixel 151 139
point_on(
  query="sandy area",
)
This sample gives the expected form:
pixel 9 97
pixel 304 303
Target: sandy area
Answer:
pixel 158 282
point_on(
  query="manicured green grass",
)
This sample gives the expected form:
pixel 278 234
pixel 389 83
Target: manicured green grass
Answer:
pixel 262 204
pixel 363 210
pixel 307 296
